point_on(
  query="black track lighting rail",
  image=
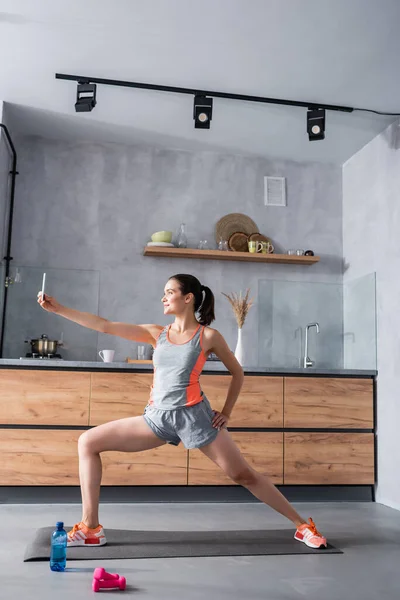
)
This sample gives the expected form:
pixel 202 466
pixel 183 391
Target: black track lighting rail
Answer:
pixel 197 92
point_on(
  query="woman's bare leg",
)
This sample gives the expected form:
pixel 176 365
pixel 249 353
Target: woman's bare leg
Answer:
pixel 224 452
pixel 125 435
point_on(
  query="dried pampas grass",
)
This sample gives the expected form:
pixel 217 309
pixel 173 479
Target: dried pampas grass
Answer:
pixel 240 305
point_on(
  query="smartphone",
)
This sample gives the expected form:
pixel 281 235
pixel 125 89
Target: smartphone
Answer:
pixel 43 285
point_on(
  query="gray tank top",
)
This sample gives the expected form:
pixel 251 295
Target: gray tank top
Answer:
pixel 177 369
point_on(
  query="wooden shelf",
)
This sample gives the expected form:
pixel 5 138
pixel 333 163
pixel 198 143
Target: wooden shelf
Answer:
pixel 169 252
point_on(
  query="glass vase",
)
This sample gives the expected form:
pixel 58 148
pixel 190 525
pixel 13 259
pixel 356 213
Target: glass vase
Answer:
pixel 181 240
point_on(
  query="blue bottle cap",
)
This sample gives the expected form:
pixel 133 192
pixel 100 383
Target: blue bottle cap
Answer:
pixel 59 524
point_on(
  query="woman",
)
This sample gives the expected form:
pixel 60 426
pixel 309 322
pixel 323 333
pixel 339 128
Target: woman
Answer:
pixel 177 410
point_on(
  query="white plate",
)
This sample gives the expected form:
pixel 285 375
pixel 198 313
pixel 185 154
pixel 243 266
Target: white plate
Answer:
pixel 160 244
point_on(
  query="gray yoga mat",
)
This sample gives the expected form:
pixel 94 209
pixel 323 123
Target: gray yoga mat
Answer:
pixel 122 543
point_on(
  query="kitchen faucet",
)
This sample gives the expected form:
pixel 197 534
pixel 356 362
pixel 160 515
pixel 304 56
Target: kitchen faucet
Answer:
pixel 307 362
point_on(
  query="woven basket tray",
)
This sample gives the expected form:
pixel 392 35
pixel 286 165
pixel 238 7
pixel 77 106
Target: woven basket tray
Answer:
pixel 234 223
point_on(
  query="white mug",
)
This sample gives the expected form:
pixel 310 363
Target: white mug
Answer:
pixel 107 355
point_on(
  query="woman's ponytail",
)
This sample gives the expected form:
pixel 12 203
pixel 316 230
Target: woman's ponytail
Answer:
pixel 206 310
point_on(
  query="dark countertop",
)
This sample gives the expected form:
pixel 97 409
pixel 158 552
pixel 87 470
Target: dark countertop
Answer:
pixel 209 367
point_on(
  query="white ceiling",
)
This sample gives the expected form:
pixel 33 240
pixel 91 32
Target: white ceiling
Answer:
pixel 331 51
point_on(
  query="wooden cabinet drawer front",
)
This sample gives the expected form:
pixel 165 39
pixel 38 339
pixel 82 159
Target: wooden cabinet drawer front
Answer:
pixel 260 403
pixel 118 395
pixel 44 397
pixel 166 465
pixel 324 402
pixel 262 450
pixel 329 458
pixel 39 457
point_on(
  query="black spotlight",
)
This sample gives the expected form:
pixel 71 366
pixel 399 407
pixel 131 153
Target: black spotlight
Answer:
pixel 202 112
pixel 85 97
pixel 316 124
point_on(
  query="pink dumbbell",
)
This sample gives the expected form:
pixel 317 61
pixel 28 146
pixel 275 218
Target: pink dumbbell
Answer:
pixel 102 579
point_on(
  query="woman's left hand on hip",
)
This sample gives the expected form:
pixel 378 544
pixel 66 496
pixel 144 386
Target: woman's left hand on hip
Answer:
pixel 219 420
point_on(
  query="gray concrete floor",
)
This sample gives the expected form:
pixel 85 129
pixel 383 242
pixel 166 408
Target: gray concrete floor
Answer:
pixel 368 534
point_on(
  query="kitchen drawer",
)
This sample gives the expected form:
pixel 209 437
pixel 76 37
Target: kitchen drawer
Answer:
pixel 324 402
pixel 262 450
pixel 50 457
pixel 329 458
pixel 260 403
pixel 166 465
pixel 39 457
pixel 118 395
pixel 44 397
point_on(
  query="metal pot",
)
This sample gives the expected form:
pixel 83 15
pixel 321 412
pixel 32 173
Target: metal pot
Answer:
pixel 43 346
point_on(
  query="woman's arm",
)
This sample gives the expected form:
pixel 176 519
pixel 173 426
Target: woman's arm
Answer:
pixel 217 344
pixel 146 334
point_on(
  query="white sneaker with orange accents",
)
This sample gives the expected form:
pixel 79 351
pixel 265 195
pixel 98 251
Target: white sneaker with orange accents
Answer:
pixel 310 536
pixel 81 535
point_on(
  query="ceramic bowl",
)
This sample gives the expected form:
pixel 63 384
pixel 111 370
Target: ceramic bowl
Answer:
pixel 162 236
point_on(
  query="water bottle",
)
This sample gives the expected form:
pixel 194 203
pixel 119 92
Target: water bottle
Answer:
pixel 58 548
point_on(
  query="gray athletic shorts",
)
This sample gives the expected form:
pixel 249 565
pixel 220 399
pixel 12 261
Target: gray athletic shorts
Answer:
pixel 190 424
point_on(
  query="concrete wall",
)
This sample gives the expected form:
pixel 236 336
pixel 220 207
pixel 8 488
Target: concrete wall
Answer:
pixel 371 226
pixel 93 207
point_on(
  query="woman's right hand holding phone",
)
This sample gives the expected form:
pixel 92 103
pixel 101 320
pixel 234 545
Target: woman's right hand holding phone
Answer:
pixel 48 303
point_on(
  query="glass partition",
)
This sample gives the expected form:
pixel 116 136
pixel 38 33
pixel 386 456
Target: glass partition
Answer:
pixel 359 323
pixel 345 314
pixel 25 319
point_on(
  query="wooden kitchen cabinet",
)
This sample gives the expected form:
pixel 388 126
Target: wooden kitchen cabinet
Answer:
pixel 260 403
pixel 44 397
pixel 262 450
pixel 304 452
pixel 118 395
pixel 329 458
pixel 328 403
